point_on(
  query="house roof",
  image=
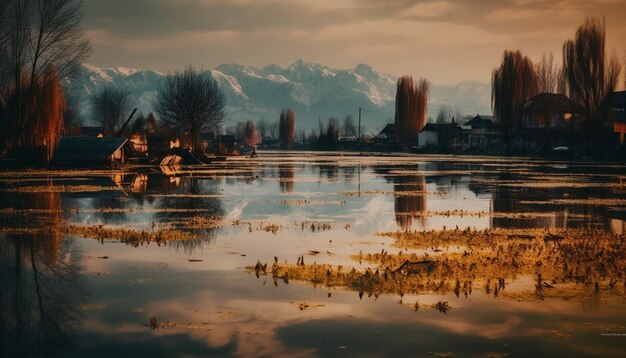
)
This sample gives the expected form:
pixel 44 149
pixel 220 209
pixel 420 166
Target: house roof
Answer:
pixel 441 127
pixel 551 103
pixel 88 149
pixel 388 132
pixel 480 121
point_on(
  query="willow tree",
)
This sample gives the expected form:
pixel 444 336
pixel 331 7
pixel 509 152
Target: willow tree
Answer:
pixel 512 85
pixel 191 102
pixel 411 107
pixel 37 36
pixel 252 138
pixel 590 73
pixel 286 128
pixel 550 76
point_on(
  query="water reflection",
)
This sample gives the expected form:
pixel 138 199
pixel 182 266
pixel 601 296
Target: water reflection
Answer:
pixel 286 177
pixel 39 279
pixel 410 201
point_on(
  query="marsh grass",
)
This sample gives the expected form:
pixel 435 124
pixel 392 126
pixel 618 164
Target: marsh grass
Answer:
pixel 60 189
pixel 587 201
pixel 565 263
pixel 396 193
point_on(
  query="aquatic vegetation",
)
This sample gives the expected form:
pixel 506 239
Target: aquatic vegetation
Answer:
pixel 313 202
pixel 563 263
pixel 588 201
pixel 479 214
pixel 397 193
pixel 60 189
pixel 128 236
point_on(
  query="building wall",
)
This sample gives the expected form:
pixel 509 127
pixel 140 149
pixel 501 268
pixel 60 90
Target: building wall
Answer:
pixel 428 139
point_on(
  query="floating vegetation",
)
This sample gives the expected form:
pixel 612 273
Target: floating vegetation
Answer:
pixel 313 202
pixel 390 192
pixel 304 305
pixel 14 211
pixel 63 173
pixel 201 222
pixel 479 214
pixel 60 189
pixel 128 236
pixel 566 263
pixel 199 196
pixel 588 201
pixel 155 324
pixel 315 226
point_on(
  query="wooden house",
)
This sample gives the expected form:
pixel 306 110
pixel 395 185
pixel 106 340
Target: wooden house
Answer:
pixel 94 150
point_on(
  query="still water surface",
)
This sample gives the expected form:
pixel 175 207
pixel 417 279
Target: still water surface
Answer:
pixel 69 293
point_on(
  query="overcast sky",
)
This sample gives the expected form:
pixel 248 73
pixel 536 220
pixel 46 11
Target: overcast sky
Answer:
pixel 444 41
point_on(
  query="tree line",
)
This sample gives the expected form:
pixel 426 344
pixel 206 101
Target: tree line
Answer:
pixel 588 76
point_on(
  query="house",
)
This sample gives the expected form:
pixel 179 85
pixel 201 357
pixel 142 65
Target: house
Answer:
pixel 549 120
pixel 447 137
pixel 484 135
pixel 388 134
pixel 618 114
pixel 94 150
pixel 428 137
pixel 385 140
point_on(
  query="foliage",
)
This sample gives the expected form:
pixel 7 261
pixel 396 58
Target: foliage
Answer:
pixel 411 107
pixel 286 128
pixel 191 102
pixel 251 136
pixel 41 42
pixel 591 76
pixel 512 85
pixel 45 122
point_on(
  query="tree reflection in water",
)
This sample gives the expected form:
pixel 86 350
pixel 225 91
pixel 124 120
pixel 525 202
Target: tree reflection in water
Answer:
pixel 409 200
pixel 211 205
pixel 286 177
pixel 39 280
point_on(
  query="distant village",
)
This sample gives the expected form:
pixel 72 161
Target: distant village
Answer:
pixel 477 135
pixel 542 109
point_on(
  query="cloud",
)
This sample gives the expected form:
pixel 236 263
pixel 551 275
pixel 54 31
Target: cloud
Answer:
pixel 445 40
pixel 429 9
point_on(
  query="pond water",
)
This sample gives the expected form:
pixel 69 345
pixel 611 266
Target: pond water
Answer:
pixel 145 261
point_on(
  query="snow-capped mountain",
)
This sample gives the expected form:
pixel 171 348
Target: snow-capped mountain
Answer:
pixel 312 90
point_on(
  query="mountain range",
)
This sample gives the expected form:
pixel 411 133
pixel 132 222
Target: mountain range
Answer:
pixel 312 90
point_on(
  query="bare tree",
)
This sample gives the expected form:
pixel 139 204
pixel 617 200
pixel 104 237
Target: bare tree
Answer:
pixel 548 74
pixel 444 115
pixel 590 74
pixel 262 129
pixel 411 107
pixel 40 41
pixel 272 130
pixel 286 128
pixel 591 77
pixel 191 102
pixel 512 85
pixel 110 108
pixel 37 38
pixel 349 130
